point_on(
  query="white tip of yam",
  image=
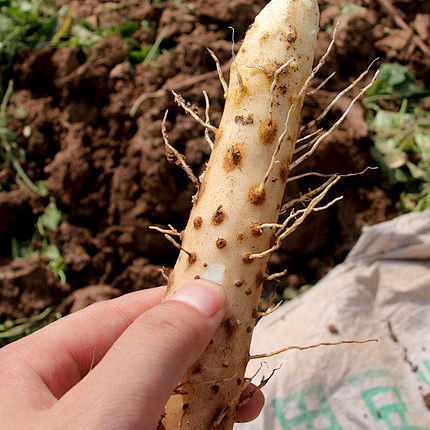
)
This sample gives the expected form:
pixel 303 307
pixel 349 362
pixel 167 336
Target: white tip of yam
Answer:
pixel 214 273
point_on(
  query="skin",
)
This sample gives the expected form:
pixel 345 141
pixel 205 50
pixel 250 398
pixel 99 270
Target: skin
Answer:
pixel 112 365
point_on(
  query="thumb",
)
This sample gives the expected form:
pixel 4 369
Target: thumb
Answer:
pixel 131 385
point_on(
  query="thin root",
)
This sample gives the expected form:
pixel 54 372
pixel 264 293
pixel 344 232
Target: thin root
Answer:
pixel 319 65
pixel 338 96
pixel 275 275
pixel 181 102
pixel 302 348
pixel 270 311
pixel 317 142
pixel 310 194
pixel 240 402
pixel 267 311
pixel 233 55
pixel 278 147
pixel 163 274
pixel 278 71
pixel 307 196
pixel 220 73
pixel 310 143
pixel 312 207
pixel 298 217
pixel 179 157
pixel 263 382
pixel 315 90
pixel 207 118
pixel 176 244
pixel 171 230
pixel 330 175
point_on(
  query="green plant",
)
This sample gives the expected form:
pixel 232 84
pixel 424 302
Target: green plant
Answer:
pixel 37 23
pixel 24 23
pixel 394 82
pixel 82 34
pixel 11 330
pixel 40 244
pixel 401 135
pixel 11 153
pixel 348 7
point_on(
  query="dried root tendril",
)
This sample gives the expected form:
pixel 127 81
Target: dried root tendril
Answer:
pixel 189 110
pixel 297 217
pixel 179 157
pixel 317 142
pixel 338 96
pixel 322 84
pixel 260 386
pixel 321 63
pixel 220 73
pixel 302 348
pixel 330 175
pixel 207 118
pixel 270 311
pixel 274 83
pixel 278 147
pixel 163 273
pixel 171 231
pixel 275 275
pixel 167 235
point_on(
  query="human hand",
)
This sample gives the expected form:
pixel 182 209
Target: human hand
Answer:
pixel 112 365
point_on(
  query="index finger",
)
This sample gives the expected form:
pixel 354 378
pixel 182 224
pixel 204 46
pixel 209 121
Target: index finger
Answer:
pixel 62 353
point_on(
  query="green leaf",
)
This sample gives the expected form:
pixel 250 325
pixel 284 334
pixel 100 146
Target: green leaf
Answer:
pixel 127 30
pixel 395 158
pixel 83 37
pixel 50 219
pixel 20 250
pixel 402 149
pixel 416 171
pixel 422 139
pixel 12 330
pixel 396 79
pixel 51 252
pixel 387 120
pixel 351 8
pixel 41 186
pixel 289 293
pixel 24 23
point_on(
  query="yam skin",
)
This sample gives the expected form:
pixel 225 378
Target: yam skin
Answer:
pixel 233 200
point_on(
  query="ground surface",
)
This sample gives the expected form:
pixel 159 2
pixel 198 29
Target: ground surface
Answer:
pixel 107 171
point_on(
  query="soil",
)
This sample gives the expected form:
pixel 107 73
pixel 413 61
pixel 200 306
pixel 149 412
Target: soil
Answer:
pixel 107 169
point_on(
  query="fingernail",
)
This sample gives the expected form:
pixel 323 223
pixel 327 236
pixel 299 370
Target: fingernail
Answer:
pixel 207 297
pixel 214 273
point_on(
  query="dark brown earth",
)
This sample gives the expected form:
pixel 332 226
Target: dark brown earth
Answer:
pixel 107 169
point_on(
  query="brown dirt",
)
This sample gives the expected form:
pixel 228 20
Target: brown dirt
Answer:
pixel 108 172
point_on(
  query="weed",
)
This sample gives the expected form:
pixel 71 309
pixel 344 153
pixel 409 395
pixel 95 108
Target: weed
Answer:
pixel 29 23
pixel 37 23
pixel 348 7
pixel 401 135
pixel 40 244
pixel 11 153
pixel 394 82
pixel 11 330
